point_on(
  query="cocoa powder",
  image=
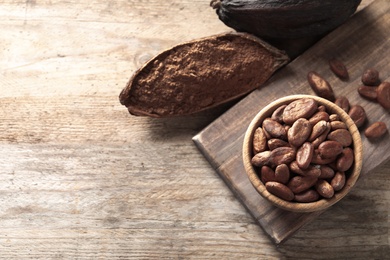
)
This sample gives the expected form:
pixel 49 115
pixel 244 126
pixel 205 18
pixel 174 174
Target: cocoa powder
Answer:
pixel 201 74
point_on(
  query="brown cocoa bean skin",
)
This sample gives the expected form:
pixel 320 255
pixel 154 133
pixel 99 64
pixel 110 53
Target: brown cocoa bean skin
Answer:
pixel 299 184
pixel 305 155
pixel 320 86
pixel 384 95
pixel 324 189
pixel 358 115
pixel 319 116
pixel 277 115
pixel 319 129
pixel 345 160
pixel 317 159
pixel 307 196
pixel 259 141
pixel 334 117
pixel 276 143
pixel 368 92
pixel 280 190
pixel 343 103
pixel 275 129
pixel 326 172
pixel 301 108
pixel 337 125
pixel 338 181
pixel 267 174
pixel 376 130
pixel 261 159
pixel 370 77
pixel 282 155
pixel 343 136
pixel 311 171
pixel 330 149
pixel 299 132
pixel 282 173
pixel 339 69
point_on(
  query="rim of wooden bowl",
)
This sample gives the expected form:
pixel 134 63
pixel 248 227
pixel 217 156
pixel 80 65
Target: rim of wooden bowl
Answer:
pixel 321 204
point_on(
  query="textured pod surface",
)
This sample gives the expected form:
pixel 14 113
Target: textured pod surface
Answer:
pixel 284 18
pixel 201 74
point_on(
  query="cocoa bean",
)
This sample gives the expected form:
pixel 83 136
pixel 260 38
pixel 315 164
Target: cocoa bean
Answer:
pixel 301 108
pixel 342 136
pixel 259 141
pixel 312 171
pixel 376 130
pixel 276 143
pixel 337 125
pixel 299 132
pixel 280 190
pixel 298 184
pixel 370 77
pixel 261 159
pixel 338 181
pixel 319 116
pixel 307 196
pixel 305 155
pixel 326 172
pixel 343 102
pixel 274 129
pixel 358 115
pixel 339 69
pixel 281 155
pixel 334 117
pixel 345 160
pixel 277 115
pixel 267 174
pixel 324 189
pixel 368 92
pixel 330 149
pixel 320 86
pixel 384 95
pixel 282 173
pixel 317 159
pixel 318 129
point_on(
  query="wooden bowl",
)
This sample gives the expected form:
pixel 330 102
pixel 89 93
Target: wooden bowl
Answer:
pixel 352 174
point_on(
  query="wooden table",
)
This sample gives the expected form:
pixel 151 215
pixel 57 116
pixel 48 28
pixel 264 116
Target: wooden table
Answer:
pixel 82 179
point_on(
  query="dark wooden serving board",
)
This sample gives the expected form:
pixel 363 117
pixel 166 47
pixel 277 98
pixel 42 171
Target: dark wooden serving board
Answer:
pixel 362 42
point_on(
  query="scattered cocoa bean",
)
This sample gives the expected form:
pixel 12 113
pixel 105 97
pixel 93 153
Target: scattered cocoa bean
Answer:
pixel 320 86
pixel 368 92
pixel 370 77
pixel 358 115
pixel 376 130
pixel 384 95
pixel 343 102
pixel 339 69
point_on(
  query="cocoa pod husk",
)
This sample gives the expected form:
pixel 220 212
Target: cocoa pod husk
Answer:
pixel 201 74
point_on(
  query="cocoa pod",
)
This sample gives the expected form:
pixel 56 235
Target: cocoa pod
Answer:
pixel 284 19
pixel 200 74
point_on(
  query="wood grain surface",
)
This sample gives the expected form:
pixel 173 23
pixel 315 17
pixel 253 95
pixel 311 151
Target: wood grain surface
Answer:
pixel 82 179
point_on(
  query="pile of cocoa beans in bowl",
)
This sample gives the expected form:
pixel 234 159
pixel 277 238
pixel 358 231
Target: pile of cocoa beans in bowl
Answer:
pixel 302 152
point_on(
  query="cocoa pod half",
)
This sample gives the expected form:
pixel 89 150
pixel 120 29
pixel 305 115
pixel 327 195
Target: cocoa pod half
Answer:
pixel 283 19
pixel 201 74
